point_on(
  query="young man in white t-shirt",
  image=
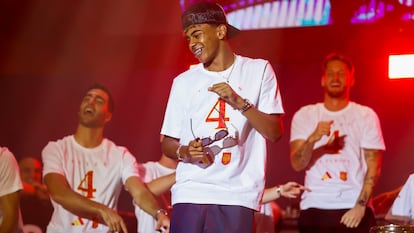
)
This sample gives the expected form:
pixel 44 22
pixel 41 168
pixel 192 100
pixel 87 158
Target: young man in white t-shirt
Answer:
pixel 219 115
pixel 85 173
pixel 339 144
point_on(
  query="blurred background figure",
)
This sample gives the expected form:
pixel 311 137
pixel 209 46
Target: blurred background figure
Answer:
pixel 35 201
pixel 402 209
pixel 339 145
pixel 31 174
pixel 10 186
pixel 382 204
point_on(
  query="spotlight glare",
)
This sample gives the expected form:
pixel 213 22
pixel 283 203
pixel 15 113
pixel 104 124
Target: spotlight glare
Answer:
pixel 401 66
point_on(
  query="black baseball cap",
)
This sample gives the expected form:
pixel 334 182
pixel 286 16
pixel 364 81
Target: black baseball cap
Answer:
pixel 207 12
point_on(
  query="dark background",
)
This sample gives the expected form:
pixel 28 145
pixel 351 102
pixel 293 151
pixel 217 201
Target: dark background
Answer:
pixel 51 51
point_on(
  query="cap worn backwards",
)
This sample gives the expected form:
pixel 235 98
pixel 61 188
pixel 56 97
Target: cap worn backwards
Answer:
pixel 207 12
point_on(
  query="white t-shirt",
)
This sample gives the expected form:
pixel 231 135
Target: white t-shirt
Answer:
pixel 10 181
pixel 236 177
pixel 336 179
pixel 98 173
pixel 404 203
pixel 148 172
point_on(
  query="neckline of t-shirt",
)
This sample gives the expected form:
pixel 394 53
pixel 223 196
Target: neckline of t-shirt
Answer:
pixel 99 147
pixel 348 106
pixel 225 72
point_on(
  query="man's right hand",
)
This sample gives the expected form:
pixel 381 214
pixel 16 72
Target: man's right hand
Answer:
pixel 113 220
pixel 322 129
pixel 195 150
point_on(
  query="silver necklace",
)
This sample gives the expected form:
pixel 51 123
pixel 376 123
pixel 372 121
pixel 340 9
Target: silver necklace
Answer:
pixel 231 71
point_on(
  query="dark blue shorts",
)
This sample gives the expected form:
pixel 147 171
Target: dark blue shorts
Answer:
pixel 208 218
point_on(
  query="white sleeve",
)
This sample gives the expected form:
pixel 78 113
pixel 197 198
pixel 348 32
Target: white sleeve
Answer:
pixel 403 204
pixel 270 98
pixel 52 159
pixel 303 123
pixel 373 138
pixel 9 172
pixel 130 166
pixel 172 123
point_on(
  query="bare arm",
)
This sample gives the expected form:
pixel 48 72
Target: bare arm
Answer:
pixel 302 154
pixel 61 192
pixel 268 125
pixel 290 190
pixel 10 208
pixel 373 160
pixel 146 201
pixel 162 184
pixel 171 148
pixel 270 194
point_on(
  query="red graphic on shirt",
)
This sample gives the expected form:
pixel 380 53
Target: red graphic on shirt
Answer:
pixel 221 114
pixel 326 176
pixel 77 222
pixel 226 158
pixel 95 222
pixel 86 186
pixel 343 175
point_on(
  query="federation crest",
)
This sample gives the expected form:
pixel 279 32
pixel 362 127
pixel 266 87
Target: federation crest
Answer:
pixel 226 158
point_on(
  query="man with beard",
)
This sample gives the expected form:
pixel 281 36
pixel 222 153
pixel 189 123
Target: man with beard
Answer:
pixel 85 172
pixel 339 144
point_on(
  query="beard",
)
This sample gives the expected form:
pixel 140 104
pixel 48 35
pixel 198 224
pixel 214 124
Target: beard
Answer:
pixel 91 121
pixel 336 93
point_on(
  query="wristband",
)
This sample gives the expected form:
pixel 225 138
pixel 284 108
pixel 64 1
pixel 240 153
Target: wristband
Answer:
pixel 247 105
pixel 279 190
pixel 362 202
pixel 177 152
pixel 160 211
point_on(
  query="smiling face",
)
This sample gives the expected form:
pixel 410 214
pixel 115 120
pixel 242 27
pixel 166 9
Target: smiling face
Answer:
pixel 94 111
pixel 204 41
pixel 337 79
